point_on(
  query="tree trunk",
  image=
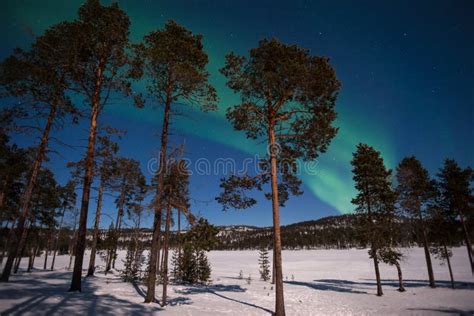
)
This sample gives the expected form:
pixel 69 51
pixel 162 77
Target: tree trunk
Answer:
pixel 48 248
pixel 22 245
pixel 401 287
pixel 17 263
pixel 155 245
pixel 74 238
pixel 377 272
pixel 165 254
pixel 56 242
pixel 279 297
pixel 4 188
pixel 179 232
pixel 95 235
pixel 427 253
pixel 110 251
pixel 449 265
pixel 118 223
pixel 137 253
pixel 31 255
pixel 70 260
pixel 45 258
pixel 273 266
pixel 467 241
pixel 372 242
pixel 88 178
pixel 7 241
pixel 26 197
pixel 158 261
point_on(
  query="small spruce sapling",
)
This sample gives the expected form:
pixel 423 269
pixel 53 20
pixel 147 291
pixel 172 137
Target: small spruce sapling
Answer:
pixel 264 264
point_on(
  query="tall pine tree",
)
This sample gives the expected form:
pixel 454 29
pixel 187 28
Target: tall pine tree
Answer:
pixel 175 71
pixel 372 181
pixel 287 101
pixel 38 79
pixel 415 191
pixel 457 198
pixel 102 67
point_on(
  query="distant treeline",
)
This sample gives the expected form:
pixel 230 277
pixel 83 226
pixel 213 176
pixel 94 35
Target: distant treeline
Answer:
pixel 332 232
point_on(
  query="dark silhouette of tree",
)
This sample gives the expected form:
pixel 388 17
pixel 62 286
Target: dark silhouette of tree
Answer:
pixel 175 69
pixel 393 256
pixel 457 197
pixel 175 195
pixel 192 266
pixel 375 198
pixel 102 67
pixel 443 231
pixel 14 170
pixel 15 164
pixel 264 264
pixel 415 190
pixel 287 101
pixel 67 197
pixel 390 253
pixel 105 159
pixel 134 258
pixel 38 79
pixel 128 181
pixel 45 201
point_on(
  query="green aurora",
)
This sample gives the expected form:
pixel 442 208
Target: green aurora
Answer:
pixel 333 182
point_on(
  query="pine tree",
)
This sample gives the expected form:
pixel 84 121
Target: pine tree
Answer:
pixel 393 256
pixel 37 78
pixel 283 105
pixel 176 195
pixel 443 231
pixel 105 164
pixel 176 264
pixel 192 265
pixel 203 273
pixel 14 167
pixel 372 180
pixel 67 196
pixel 134 258
pixel 264 264
pixel 457 198
pixel 109 243
pixel 415 191
pixel 129 181
pixel 132 263
pixel 188 264
pixel 100 36
pixel 44 203
pixel 175 70
pixel 129 273
pixel 389 253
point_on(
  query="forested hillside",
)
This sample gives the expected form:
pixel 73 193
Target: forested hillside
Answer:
pixel 332 232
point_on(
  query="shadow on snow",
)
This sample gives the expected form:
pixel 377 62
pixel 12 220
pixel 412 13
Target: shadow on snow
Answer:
pixel 361 287
pixel 37 296
pixel 214 289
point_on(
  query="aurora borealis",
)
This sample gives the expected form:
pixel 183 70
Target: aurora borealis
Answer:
pixel 407 88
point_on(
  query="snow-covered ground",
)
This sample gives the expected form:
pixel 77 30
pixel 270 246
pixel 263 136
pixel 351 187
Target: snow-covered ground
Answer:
pixel 317 282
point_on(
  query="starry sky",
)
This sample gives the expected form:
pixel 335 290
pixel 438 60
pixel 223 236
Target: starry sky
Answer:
pixel 406 70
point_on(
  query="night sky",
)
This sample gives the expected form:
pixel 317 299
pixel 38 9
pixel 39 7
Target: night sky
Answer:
pixel 406 68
